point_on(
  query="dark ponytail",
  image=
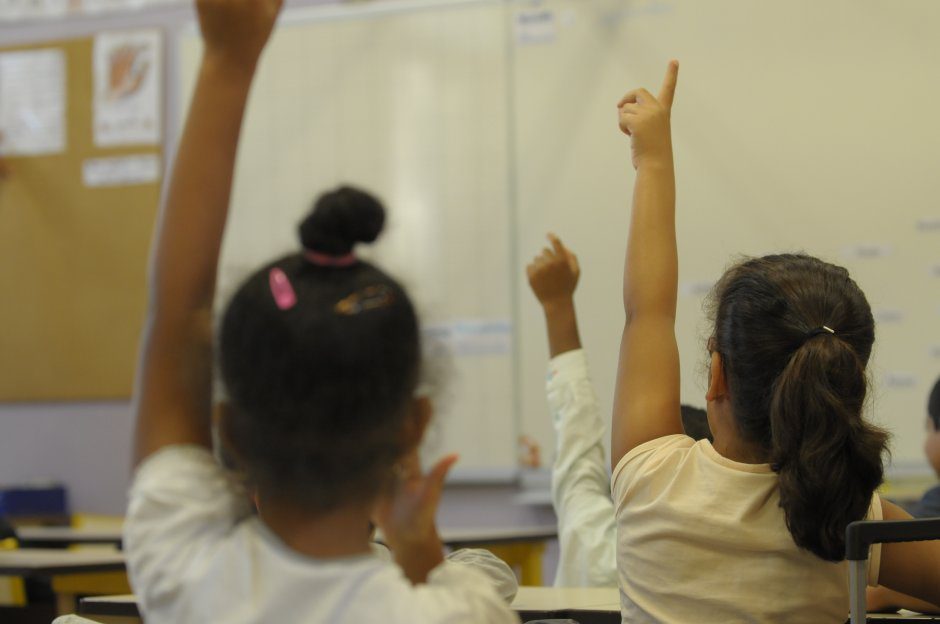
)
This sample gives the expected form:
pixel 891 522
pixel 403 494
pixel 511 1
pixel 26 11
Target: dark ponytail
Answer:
pixel 828 458
pixel 798 390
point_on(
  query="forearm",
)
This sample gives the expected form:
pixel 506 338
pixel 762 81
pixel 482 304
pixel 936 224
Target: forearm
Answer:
pixel 562 325
pixel 883 599
pixel 651 272
pixel 646 396
pixel 174 379
pixel 197 199
pixel 579 454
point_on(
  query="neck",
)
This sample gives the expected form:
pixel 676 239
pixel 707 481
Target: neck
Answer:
pixel 341 532
pixel 735 449
pixel 727 440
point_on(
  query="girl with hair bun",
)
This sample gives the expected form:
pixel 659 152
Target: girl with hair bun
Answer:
pixel 751 526
pixel 319 352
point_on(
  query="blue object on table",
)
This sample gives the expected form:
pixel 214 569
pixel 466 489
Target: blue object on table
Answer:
pixel 33 500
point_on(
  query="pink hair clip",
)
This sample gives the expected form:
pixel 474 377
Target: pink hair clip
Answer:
pixel 284 296
pixel 327 260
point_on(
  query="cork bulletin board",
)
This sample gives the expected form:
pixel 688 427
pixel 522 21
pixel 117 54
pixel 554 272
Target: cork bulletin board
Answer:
pixel 73 256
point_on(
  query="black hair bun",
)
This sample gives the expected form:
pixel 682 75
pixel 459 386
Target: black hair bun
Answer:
pixel 340 219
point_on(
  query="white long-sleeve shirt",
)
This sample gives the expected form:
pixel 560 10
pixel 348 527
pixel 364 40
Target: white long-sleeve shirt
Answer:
pixel 195 553
pixel 580 483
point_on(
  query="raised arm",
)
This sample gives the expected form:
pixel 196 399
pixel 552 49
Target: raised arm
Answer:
pixel 553 276
pixel 646 399
pixel 173 388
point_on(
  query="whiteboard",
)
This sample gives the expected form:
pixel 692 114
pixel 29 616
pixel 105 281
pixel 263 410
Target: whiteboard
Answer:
pixel 803 125
pixel 799 125
pixel 408 103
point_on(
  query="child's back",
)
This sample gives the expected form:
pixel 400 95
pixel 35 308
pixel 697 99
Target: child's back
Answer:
pixel 702 534
pixel 752 526
pixel 197 553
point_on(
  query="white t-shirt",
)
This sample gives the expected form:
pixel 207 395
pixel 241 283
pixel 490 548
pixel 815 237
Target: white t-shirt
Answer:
pixel 701 538
pixel 580 485
pixel 195 554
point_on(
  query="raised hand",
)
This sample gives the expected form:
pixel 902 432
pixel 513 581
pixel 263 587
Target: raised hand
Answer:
pixel 406 516
pixel 237 30
pixel 553 274
pixel 646 119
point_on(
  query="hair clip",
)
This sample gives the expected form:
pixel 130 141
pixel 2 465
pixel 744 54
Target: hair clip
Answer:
pixel 369 298
pixel 284 296
pixel 816 332
pixel 328 260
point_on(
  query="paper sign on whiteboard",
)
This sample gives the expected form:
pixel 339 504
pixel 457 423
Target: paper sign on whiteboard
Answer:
pixel 929 224
pixel 473 337
pixel 868 251
pixel 121 170
pixel 888 315
pixel 900 379
pixel 32 102
pixel 535 26
pixel 128 68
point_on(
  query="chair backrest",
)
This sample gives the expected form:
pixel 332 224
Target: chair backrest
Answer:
pixel 859 536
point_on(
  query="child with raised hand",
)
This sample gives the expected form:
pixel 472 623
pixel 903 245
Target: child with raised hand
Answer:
pixel 580 483
pixel 580 486
pixel 750 527
pixel 319 353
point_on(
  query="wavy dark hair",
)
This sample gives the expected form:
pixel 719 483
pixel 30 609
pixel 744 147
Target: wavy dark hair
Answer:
pixel 319 392
pixel 798 391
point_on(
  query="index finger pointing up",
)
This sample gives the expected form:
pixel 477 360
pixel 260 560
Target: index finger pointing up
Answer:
pixel 668 91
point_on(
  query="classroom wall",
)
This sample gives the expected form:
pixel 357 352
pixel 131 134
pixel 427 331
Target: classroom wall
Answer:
pixel 86 446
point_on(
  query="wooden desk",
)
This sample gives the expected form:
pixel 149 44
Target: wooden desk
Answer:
pixel 520 547
pixel 117 606
pixel 587 605
pixel 45 536
pixel 44 562
pixel 601 604
pixel 60 566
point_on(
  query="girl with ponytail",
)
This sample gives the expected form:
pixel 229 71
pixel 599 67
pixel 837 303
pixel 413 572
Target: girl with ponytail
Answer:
pixel 749 526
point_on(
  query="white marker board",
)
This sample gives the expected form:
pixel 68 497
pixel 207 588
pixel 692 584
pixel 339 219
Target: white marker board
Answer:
pixel 410 104
pixel 798 126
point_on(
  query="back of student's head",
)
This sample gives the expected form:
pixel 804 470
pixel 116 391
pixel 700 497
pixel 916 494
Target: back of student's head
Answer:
pixel 933 406
pixel 320 354
pixel 797 389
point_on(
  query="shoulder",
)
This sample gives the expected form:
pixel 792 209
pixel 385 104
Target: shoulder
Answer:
pixel 181 502
pixel 660 455
pixel 654 454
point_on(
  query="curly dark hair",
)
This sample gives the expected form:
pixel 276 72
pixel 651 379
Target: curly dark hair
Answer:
pixel 319 391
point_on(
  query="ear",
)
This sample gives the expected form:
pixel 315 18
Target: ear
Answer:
pixel 417 421
pixel 717 384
